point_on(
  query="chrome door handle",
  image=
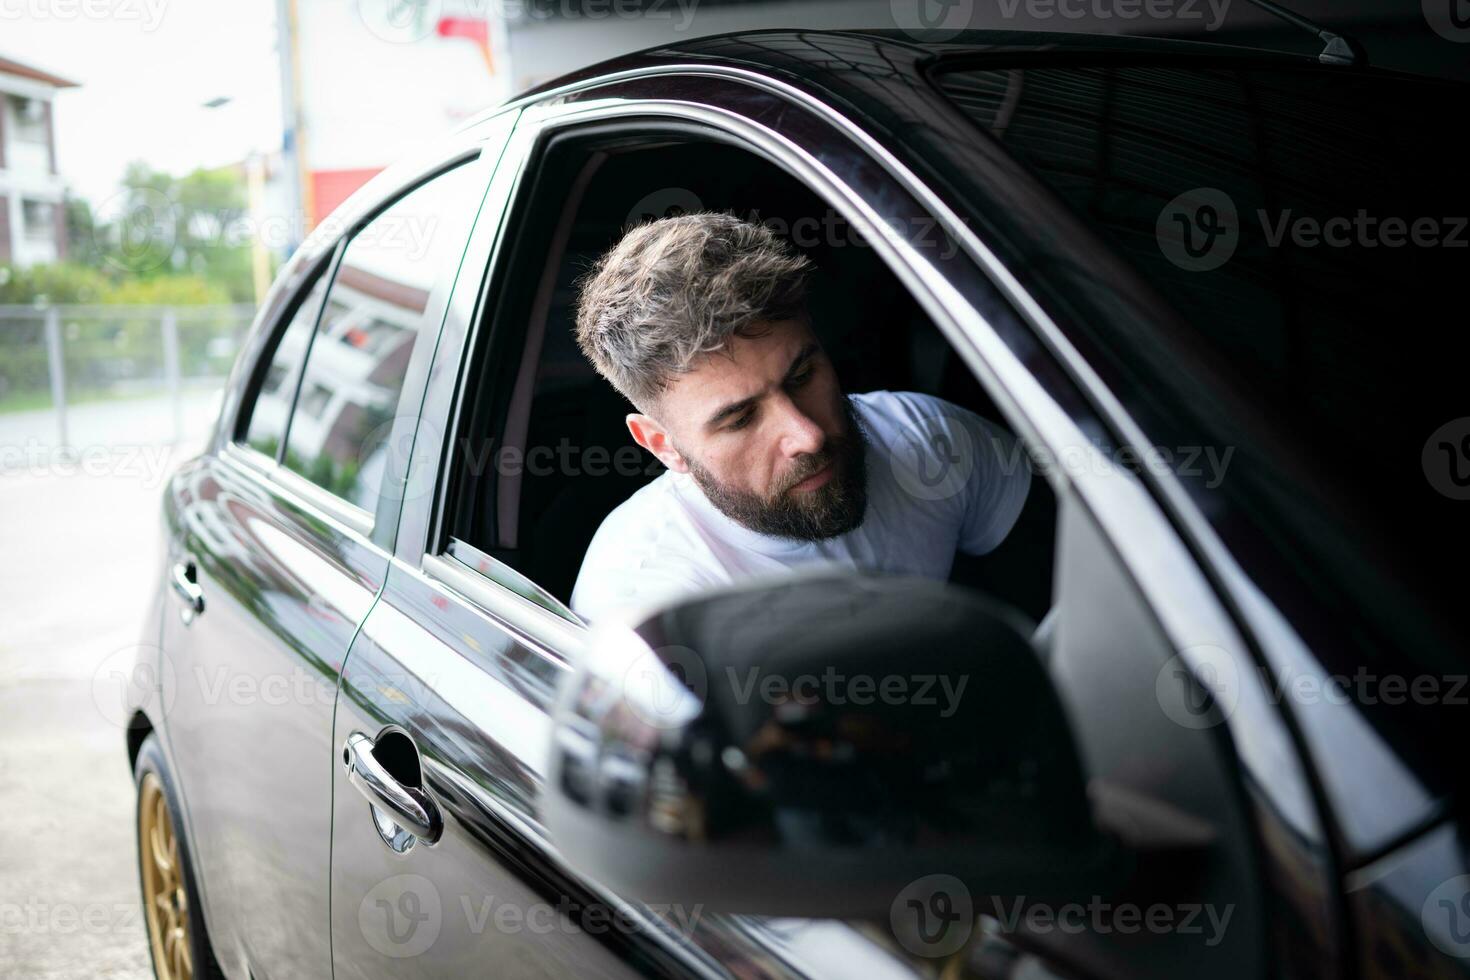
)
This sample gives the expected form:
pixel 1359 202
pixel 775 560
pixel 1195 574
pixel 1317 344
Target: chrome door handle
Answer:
pixel 186 586
pixel 408 806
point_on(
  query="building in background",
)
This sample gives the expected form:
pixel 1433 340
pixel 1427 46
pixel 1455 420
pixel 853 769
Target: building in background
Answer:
pixel 32 193
pixel 366 82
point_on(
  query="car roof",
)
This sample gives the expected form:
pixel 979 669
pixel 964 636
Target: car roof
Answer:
pixel 818 59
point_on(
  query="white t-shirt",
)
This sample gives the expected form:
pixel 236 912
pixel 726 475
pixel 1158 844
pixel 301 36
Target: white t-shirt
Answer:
pixel 939 478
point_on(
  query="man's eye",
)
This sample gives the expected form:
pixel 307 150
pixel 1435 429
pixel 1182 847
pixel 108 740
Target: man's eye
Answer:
pixel 797 380
pixel 740 422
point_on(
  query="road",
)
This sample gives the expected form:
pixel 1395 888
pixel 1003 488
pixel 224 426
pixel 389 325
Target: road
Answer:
pixel 105 428
pixel 79 547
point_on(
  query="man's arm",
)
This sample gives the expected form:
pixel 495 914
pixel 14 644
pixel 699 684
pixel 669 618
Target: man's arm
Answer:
pixel 964 461
pixel 999 486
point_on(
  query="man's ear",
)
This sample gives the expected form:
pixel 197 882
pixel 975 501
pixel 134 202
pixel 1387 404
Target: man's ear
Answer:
pixel 651 436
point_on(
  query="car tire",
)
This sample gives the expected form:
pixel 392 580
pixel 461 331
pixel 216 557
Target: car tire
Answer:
pixel 172 912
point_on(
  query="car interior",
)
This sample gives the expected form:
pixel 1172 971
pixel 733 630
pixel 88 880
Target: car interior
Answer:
pixel 530 386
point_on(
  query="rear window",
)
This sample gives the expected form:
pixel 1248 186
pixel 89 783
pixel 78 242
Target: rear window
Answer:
pixel 1308 228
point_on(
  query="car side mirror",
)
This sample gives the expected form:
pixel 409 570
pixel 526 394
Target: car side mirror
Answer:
pixel 812 746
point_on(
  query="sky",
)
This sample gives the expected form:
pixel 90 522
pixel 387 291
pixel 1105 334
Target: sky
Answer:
pixel 145 68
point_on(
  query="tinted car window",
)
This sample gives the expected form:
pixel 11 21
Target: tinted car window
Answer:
pixel 374 313
pixel 278 387
pixel 1308 227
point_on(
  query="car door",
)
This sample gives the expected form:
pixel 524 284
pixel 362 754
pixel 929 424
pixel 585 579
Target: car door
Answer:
pixel 442 700
pixel 445 699
pixel 280 544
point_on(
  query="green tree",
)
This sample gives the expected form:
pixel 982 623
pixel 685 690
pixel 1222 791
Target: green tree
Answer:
pixel 159 225
pixel 214 235
pixel 77 214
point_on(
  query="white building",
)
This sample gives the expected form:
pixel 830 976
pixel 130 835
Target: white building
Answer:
pixel 32 219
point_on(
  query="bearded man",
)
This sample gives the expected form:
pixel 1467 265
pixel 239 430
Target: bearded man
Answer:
pixel 700 320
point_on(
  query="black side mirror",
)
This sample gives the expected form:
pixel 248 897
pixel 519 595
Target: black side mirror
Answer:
pixel 812 746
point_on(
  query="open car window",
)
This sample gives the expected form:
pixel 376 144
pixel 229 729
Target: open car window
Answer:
pixel 543 453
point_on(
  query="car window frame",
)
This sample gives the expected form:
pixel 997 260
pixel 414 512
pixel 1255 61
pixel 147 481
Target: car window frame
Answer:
pixel 466 158
pixel 424 540
pixel 377 525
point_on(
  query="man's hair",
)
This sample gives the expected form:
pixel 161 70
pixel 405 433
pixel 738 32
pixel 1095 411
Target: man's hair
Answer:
pixel 674 289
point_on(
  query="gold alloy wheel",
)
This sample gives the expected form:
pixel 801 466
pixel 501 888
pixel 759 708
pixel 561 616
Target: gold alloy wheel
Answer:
pixel 164 900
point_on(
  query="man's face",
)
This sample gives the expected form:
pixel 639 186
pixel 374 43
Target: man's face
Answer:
pixel 764 429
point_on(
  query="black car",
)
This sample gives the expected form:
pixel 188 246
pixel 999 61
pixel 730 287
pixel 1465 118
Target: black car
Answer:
pixel 1215 291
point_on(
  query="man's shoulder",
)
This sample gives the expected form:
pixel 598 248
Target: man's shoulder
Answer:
pixel 935 448
pixel 907 404
pixel 892 415
pixel 640 553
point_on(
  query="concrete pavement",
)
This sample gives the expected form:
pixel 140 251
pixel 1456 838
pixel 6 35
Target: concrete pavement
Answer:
pixel 79 551
pixel 97 429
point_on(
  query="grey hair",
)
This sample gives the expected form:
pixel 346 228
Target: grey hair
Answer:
pixel 675 289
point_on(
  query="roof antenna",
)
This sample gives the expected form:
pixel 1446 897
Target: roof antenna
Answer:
pixel 1340 50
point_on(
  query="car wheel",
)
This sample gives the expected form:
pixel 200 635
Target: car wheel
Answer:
pixel 176 934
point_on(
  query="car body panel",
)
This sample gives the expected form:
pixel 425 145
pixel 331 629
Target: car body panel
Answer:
pixel 256 678
pixel 473 700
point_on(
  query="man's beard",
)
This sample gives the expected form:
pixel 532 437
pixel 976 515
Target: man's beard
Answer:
pixel 834 508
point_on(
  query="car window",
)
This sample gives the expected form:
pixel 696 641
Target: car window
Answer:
pixel 373 315
pixel 267 417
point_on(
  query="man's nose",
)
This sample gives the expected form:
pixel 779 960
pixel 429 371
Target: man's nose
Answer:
pixel 799 433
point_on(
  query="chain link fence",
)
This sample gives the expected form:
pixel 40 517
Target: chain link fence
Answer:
pixel 98 375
